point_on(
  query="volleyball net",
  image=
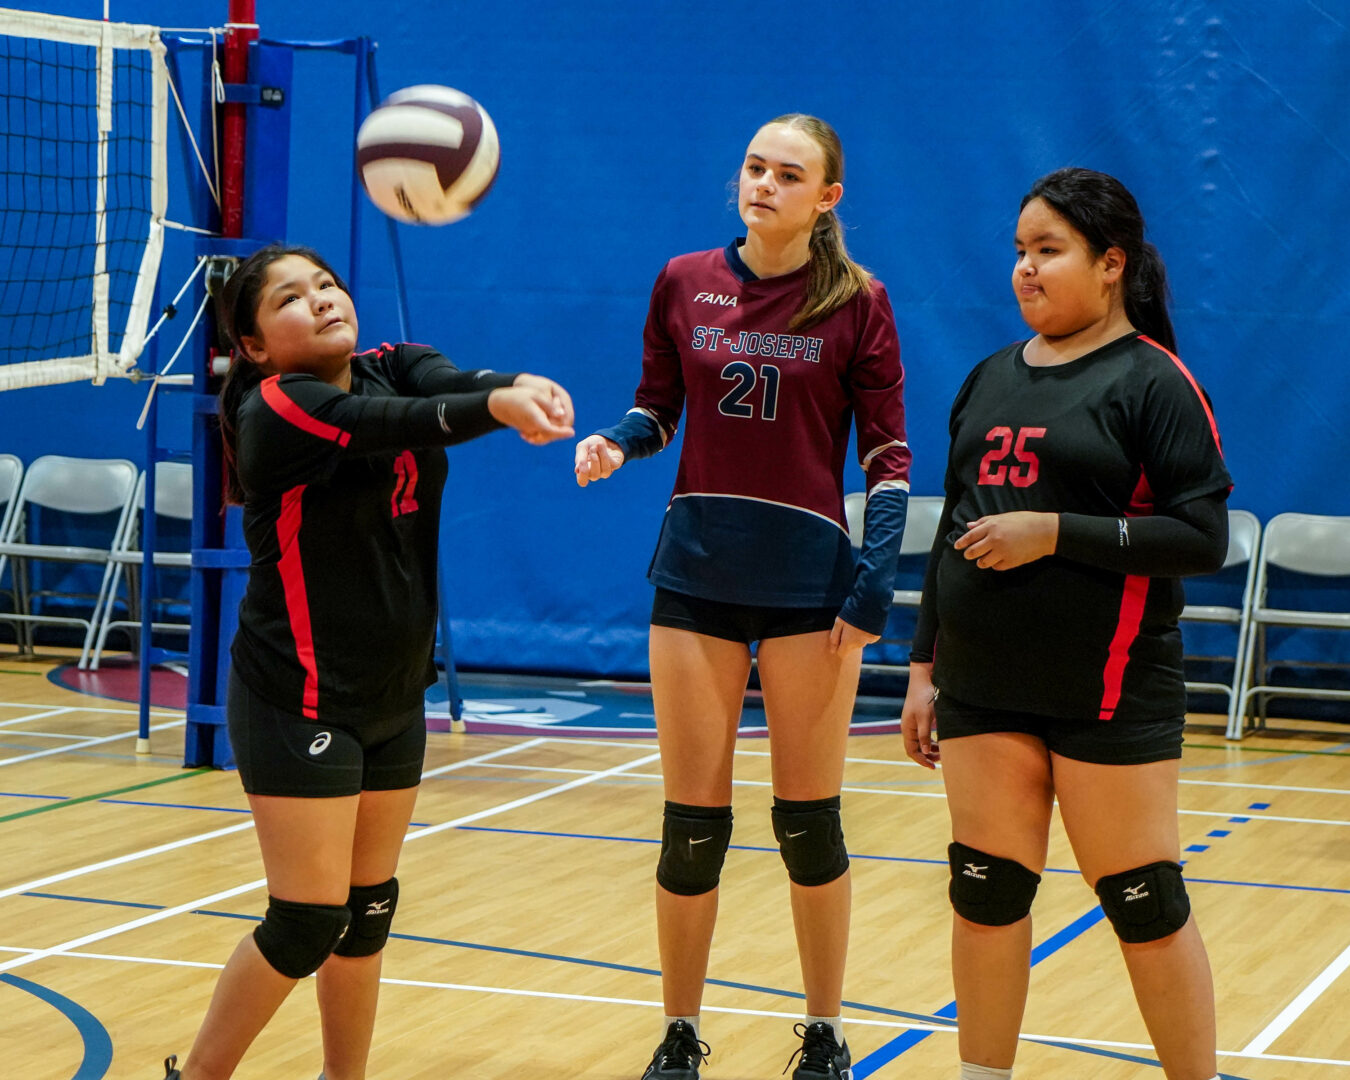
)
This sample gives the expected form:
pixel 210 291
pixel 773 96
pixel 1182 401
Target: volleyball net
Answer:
pixel 82 197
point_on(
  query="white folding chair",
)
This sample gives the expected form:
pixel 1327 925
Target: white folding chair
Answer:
pixel 173 501
pixel 96 490
pixel 921 525
pixel 11 475
pixel 1244 538
pixel 1317 547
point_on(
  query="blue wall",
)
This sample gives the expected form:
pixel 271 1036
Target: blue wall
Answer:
pixel 622 123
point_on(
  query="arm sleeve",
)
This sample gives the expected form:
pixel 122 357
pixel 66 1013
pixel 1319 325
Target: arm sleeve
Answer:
pixel 421 371
pixel 1177 443
pixel 877 390
pixel 296 428
pixel 650 425
pixel 1191 538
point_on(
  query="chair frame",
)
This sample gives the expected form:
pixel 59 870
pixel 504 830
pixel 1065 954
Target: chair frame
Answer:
pixel 173 499
pixel 1335 562
pixel 1244 545
pixel 11 499
pixel 20 553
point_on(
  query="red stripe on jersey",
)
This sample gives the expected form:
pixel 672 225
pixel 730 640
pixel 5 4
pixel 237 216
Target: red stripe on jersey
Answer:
pixel 1131 610
pixel 1204 402
pixel 297 599
pixel 289 411
pixel 1127 629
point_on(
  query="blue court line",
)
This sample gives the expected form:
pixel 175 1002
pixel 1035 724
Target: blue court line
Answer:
pixel 98 1049
pixel 893 1049
pixel 888 858
pixel 945 1016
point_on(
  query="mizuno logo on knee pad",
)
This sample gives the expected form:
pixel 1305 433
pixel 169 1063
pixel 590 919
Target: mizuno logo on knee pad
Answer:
pixel 1137 892
pixel 976 872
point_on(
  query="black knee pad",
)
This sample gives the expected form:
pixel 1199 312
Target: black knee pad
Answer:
pixel 372 909
pixel 987 889
pixel 1146 904
pixel 297 938
pixel 694 843
pixel 810 839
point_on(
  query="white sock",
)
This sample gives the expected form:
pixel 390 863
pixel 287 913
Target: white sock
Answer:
pixel 692 1021
pixel 983 1072
pixel 836 1022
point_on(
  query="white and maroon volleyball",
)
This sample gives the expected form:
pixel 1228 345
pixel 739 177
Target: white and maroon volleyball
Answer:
pixel 427 154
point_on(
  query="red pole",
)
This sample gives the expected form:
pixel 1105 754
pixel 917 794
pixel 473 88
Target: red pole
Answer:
pixel 239 31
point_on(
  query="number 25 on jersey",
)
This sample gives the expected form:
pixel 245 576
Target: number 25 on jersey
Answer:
pixel 995 467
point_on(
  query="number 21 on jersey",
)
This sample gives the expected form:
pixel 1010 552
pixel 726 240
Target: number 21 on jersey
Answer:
pixel 994 466
pixel 744 377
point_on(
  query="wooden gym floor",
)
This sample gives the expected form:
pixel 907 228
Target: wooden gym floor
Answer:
pixel 524 943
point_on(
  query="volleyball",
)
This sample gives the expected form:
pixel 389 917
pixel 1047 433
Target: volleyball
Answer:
pixel 427 155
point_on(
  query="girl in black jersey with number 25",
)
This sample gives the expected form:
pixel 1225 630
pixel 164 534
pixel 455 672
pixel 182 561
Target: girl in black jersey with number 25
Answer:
pixel 1085 478
pixel 338 461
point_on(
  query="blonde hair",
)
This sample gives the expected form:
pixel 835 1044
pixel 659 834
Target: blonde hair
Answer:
pixel 835 278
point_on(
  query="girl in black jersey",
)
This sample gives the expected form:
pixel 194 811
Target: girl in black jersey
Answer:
pixel 1085 478
pixel 769 348
pixel 337 460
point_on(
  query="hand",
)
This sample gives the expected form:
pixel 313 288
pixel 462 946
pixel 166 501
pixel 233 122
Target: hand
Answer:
pixel 597 458
pixel 845 637
pixel 530 411
pixel 918 721
pixel 561 404
pixel 1005 541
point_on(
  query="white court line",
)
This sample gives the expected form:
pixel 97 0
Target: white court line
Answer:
pixel 85 743
pixel 1296 1008
pixel 190 840
pixel 1269 787
pixel 850 1017
pixel 146 853
pixel 38 715
pixel 90 708
pixel 42 735
pixel 191 905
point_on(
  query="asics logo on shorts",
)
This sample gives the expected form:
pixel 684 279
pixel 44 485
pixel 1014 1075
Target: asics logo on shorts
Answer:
pixel 320 743
pixel 974 871
pixel 1136 892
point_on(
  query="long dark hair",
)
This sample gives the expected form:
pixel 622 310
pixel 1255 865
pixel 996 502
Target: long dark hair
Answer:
pixel 1103 210
pixel 237 310
pixel 835 279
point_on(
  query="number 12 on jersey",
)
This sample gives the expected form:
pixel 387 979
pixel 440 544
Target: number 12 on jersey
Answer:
pixel 1029 466
pixel 744 376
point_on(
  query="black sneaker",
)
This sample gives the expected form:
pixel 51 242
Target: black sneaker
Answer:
pixel 170 1073
pixel 679 1055
pixel 822 1058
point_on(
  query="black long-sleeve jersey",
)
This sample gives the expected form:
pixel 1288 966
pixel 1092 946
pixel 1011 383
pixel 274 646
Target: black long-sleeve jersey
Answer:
pixel 1122 432
pixel 342 496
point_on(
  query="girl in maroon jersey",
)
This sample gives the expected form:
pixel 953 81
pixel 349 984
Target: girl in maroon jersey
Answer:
pixel 337 460
pixel 1085 478
pixel 767 348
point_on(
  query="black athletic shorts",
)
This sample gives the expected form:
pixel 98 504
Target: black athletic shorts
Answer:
pixel 737 622
pixel 279 753
pixel 1100 742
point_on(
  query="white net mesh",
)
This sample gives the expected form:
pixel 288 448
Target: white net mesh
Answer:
pixel 82 195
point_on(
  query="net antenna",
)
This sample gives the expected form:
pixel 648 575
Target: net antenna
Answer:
pixel 84 195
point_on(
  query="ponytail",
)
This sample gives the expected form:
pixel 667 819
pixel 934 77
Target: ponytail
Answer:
pixel 1146 296
pixel 242 377
pixel 835 279
pixel 1103 210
